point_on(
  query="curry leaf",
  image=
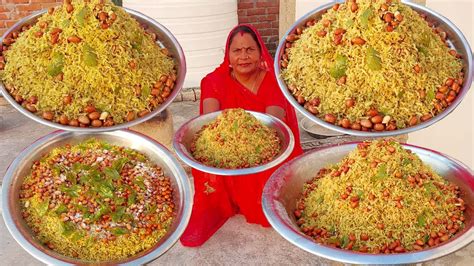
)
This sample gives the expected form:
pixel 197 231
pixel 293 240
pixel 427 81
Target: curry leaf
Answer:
pixel 132 198
pixel 139 182
pixel 89 56
pixel 43 207
pixel 112 173
pixel 422 50
pixel 381 172
pixel 56 65
pixel 61 209
pixel 81 16
pixel 118 164
pixel 426 238
pixel 366 16
pixel 119 231
pixel 105 191
pixel 77 235
pixel 373 59
pixel 102 210
pixel 406 161
pixel 146 92
pixel 344 241
pixel 118 213
pixel 339 68
pixel 429 188
pixel 421 220
pixel 430 95
pixel 320 199
pixel 68 228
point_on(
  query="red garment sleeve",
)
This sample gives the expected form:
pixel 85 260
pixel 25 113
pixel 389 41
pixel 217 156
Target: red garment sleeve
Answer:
pixel 274 97
pixel 209 89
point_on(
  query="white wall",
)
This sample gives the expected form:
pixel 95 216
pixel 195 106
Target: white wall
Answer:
pixel 200 26
pixel 454 135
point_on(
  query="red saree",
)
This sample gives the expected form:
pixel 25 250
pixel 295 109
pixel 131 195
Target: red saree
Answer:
pixel 216 197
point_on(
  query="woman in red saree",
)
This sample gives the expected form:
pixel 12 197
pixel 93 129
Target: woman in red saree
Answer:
pixel 244 80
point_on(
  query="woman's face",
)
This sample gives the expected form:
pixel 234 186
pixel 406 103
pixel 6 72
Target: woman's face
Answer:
pixel 244 54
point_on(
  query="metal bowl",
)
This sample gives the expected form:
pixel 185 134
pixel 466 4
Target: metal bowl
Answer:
pixel 285 187
pixel 317 131
pixel 165 39
pixel 456 41
pixel 21 166
pixel 184 136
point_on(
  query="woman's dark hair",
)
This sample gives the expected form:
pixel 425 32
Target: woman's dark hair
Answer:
pixel 244 29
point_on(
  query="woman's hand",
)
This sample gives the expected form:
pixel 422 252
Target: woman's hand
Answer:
pixel 210 105
pixel 276 111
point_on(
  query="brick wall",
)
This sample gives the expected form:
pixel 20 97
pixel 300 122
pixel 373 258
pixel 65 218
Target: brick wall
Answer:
pixel 13 10
pixel 263 15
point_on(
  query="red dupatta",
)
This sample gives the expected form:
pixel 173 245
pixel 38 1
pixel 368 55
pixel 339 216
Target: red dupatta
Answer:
pixel 217 198
pixel 231 94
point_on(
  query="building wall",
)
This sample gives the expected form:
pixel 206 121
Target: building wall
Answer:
pixel 200 26
pixel 263 15
pixel 13 10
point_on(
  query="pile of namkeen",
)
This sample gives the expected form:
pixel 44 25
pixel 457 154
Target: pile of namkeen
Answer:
pixel 372 65
pixel 236 139
pixel 97 202
pixel 380 198
pixel 86 63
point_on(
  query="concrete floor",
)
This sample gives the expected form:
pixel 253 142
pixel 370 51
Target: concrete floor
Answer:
pixel 236 243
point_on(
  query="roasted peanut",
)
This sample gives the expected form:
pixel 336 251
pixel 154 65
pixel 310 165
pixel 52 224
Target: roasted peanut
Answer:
pixel 345 123
pixel 388 17
pixel 354 7
pixel 103 16
pixel 291 37
pixel 379 127
pixel 32 99
pixel 321 33
pixel 74 123
pixel 341 81
pixel 376 119
pixel 364 237
pixel 84 120
pixel 74 39
pixel 339 31
pixel 67 99
pixel 358 41
pixel 48 115
pixel 350 103
pixel 425 117
pixel 89 109
pixel 417 69
pixel 143 113
pixel 330 118
pixel 96 123
pixel 356 126
pixel 69 8
pixel 63 119
pixel 326 22
pixel 314 110
pixel 372 112
pixel 413 121
pixel 94 115
pixel 366 123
